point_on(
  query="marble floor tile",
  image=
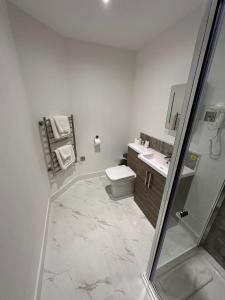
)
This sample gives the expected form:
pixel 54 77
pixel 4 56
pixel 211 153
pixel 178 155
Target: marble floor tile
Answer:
pixel 96 247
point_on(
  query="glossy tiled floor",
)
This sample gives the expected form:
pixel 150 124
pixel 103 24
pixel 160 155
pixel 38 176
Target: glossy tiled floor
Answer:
pixel 97 248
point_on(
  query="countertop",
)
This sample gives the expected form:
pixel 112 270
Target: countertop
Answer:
pixel 158 161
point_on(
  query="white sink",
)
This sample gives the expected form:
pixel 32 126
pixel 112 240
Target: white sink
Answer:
pixel 148 156
pixel 163 165
pixel 157 161
pixel 160 162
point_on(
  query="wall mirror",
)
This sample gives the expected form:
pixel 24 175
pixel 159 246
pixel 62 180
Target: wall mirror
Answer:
pixel 175 106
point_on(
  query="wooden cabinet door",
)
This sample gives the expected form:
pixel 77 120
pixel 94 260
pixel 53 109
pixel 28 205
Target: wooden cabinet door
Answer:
pixel 143 200
pixel 155 190
pixel 149 187
pixel 132 159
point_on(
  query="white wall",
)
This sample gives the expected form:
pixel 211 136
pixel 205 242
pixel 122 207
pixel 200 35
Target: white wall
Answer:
pixel 211 173
pixel 24 193
pixel 101 80
pixel 66 76
pixel 165 61
pixel 42 58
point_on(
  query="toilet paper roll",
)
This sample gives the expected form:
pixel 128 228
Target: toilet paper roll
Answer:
pixel 97 140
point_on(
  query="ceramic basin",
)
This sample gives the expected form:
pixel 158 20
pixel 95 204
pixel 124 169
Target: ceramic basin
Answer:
pixel 157 160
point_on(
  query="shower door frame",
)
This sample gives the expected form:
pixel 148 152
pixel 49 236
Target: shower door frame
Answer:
pixel 201 62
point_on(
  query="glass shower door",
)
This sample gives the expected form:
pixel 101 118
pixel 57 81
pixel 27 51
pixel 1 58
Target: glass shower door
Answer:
pixel 190 196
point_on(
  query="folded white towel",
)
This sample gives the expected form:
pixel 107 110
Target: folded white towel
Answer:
pixel 65 156
pixel 66 152
pixel 62 124
pixel 54 129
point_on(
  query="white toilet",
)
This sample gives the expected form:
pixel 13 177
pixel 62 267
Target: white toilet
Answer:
pixel 122 181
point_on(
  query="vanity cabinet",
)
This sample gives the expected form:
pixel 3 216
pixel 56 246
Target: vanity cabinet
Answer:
pixel 132 159
pixel 149 187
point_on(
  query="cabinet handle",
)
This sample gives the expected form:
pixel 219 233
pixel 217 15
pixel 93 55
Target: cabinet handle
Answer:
pixel 146 176
pixel 149 179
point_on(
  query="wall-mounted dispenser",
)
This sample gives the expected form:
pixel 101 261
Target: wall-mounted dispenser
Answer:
pixel 215 116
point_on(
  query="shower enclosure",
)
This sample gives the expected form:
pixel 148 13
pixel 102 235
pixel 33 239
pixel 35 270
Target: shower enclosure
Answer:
pixel 200 225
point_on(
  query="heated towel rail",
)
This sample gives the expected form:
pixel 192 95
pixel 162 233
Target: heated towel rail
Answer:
pixel 50 143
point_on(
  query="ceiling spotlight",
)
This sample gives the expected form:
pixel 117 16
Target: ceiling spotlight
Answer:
pixel 106 1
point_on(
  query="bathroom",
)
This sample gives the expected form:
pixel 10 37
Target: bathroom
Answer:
pixel 140 79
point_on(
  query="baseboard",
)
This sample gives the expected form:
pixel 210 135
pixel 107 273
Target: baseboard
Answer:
pixel 37 293
pixel 64 188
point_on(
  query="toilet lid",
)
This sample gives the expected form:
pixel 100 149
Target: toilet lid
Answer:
pixel 120 172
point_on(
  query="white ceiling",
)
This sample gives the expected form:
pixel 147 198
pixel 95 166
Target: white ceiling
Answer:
pixel 123 23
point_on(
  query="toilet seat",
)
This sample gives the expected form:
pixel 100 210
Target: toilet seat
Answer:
pixel 120 173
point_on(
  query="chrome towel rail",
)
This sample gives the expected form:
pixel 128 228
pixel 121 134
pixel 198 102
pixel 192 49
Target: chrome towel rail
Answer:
pixel 50 143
